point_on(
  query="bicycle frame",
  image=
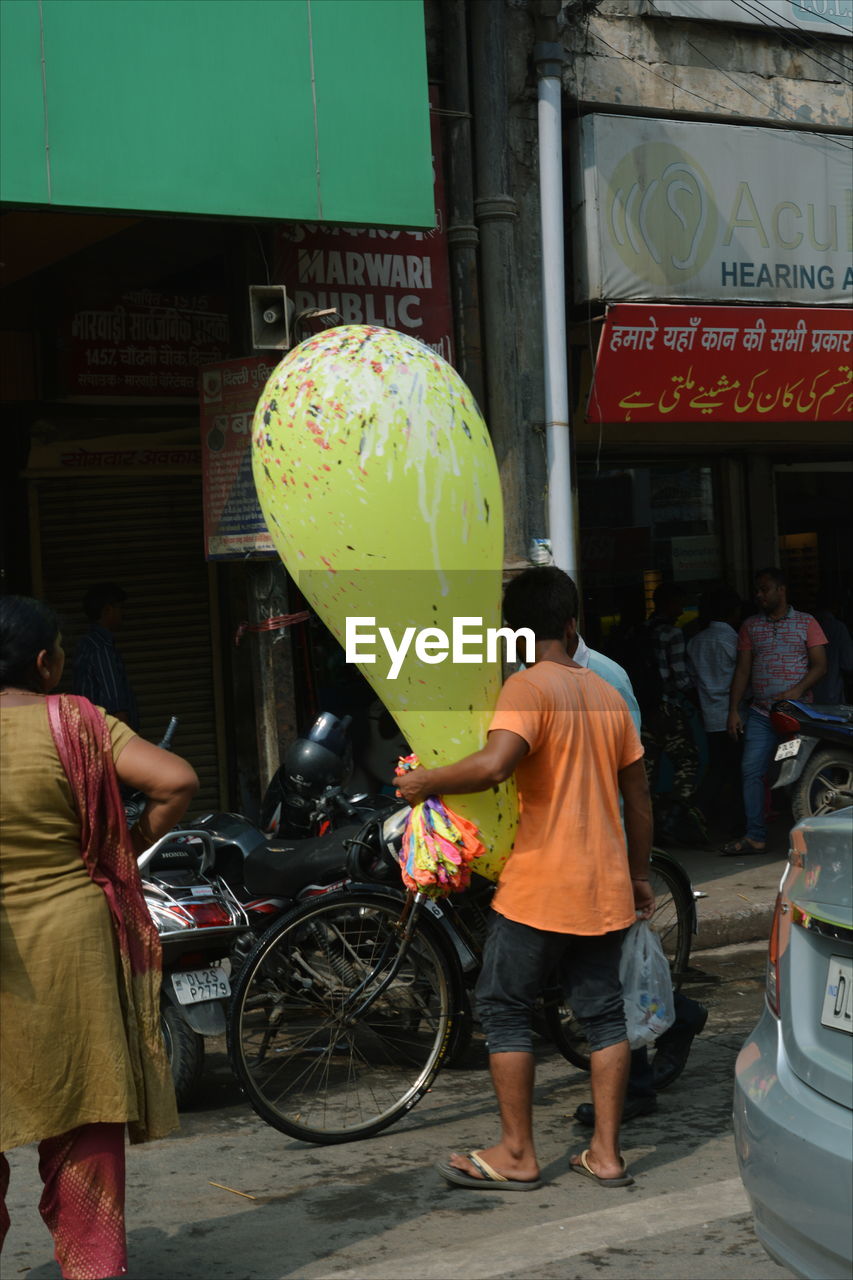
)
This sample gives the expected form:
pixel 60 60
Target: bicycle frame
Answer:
pixel 465 946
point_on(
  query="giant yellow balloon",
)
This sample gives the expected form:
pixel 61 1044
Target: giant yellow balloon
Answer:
pixel 379 486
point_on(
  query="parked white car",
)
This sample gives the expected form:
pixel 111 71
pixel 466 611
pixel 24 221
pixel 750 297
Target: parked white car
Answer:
pixel 793 1104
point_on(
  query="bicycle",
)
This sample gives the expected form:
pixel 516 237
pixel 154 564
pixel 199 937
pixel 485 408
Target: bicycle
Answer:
pixel 349 1005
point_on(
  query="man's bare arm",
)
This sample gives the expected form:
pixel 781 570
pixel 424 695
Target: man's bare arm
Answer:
pixel 639 827
pixel 494 763
pixel 740 683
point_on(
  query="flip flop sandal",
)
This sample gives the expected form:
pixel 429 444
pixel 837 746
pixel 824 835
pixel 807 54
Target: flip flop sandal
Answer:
pixel 735 848
pixel 490 1181
pixel 583 1168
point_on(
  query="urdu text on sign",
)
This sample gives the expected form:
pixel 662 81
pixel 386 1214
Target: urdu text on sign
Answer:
pixel 780 364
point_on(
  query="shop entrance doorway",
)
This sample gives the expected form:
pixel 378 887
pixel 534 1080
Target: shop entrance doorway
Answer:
pixel 145 533
pixel 814 521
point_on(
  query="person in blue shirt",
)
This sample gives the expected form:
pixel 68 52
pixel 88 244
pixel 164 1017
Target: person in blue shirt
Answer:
pixel 609 671
pixel 673 1047
pixel 99 673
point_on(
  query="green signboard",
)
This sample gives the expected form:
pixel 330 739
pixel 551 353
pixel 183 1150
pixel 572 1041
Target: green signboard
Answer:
pixel 315 110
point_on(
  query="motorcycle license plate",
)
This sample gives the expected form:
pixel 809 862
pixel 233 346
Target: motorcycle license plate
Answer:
pixel 789 748
pixel 192 985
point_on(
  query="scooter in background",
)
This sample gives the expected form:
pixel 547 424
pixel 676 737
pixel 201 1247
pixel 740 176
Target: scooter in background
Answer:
pixel 815 756
pixel 200 922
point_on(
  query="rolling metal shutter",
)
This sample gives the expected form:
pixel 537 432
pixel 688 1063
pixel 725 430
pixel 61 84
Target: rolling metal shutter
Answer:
pixel 145 533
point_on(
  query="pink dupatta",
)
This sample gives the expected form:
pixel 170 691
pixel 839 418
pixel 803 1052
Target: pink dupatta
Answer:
pixel 83 743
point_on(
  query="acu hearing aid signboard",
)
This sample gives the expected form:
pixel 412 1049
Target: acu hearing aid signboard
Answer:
pixel 676 210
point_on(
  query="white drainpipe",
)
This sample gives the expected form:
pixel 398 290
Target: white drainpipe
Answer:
pixel 561 520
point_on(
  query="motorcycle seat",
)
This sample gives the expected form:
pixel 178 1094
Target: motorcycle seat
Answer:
pixel 281 868
pixel 838 712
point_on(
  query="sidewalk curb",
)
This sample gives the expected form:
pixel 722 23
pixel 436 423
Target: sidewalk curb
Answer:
pixel 722 929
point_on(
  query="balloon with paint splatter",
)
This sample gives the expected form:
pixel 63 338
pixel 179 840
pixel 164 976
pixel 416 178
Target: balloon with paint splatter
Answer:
pixel 380 489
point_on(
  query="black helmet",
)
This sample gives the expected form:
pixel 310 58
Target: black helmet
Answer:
pixel 331 732
pixel 309 767
pixel 311 764
pixel 318 760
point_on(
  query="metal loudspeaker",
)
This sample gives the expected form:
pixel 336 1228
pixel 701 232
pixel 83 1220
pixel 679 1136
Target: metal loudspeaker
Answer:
pixel 271 313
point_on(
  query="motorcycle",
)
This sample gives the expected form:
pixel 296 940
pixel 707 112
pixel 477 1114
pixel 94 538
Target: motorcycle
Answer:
pixel 215 884
pixel 289 857
pixel 199 921
pixel 815 756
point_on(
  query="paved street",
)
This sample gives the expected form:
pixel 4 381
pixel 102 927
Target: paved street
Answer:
pixel 377 1211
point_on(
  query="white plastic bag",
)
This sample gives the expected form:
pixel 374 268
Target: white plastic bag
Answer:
pixel 646 986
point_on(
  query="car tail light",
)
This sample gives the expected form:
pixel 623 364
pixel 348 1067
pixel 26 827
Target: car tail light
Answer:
pixel 207 915
pixel 783 723
pixel 772 992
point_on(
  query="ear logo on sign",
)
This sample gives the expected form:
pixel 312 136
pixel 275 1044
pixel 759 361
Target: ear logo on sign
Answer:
pixel 661 216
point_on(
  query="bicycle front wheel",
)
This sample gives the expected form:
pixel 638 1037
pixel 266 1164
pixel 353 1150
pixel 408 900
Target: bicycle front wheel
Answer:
pixel 329 1040
pixel 672 922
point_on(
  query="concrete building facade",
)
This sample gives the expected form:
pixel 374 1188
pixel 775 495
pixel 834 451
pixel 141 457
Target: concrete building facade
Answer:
pixel 695 502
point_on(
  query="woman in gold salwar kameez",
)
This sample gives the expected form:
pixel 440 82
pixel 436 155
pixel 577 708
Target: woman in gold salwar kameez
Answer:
pixel 81 1055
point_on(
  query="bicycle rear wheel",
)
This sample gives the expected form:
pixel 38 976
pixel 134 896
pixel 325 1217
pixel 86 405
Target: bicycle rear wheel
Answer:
pixel 672 922
pixel 314 1061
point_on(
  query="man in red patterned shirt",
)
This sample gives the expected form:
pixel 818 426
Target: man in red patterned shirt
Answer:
pixel 782 654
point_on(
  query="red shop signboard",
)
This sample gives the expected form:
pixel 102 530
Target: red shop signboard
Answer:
pixel 395 279
pixel 723 364
pixel 141 344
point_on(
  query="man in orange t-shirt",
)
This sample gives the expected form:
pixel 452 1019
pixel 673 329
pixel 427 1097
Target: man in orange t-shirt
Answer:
pixel 570 888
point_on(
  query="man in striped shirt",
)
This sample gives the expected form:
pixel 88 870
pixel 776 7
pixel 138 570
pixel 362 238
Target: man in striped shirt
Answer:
pixel 99 672
pixel 781 654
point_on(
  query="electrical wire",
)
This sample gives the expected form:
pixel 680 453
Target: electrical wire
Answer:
pixel 847 30
pixel 742 4
pixel 263 251
pixel 754 8
pixel 801 34
pixel 836 67
pixel 645 66
pixel 754 96
pixel 717 105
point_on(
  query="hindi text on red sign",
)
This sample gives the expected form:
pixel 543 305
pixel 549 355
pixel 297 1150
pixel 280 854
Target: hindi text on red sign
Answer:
pixel 724 364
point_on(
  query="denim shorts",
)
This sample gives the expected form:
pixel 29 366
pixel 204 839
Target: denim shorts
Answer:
pixel 518 961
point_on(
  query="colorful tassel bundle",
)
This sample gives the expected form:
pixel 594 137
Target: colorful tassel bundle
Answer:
pixel 438 845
